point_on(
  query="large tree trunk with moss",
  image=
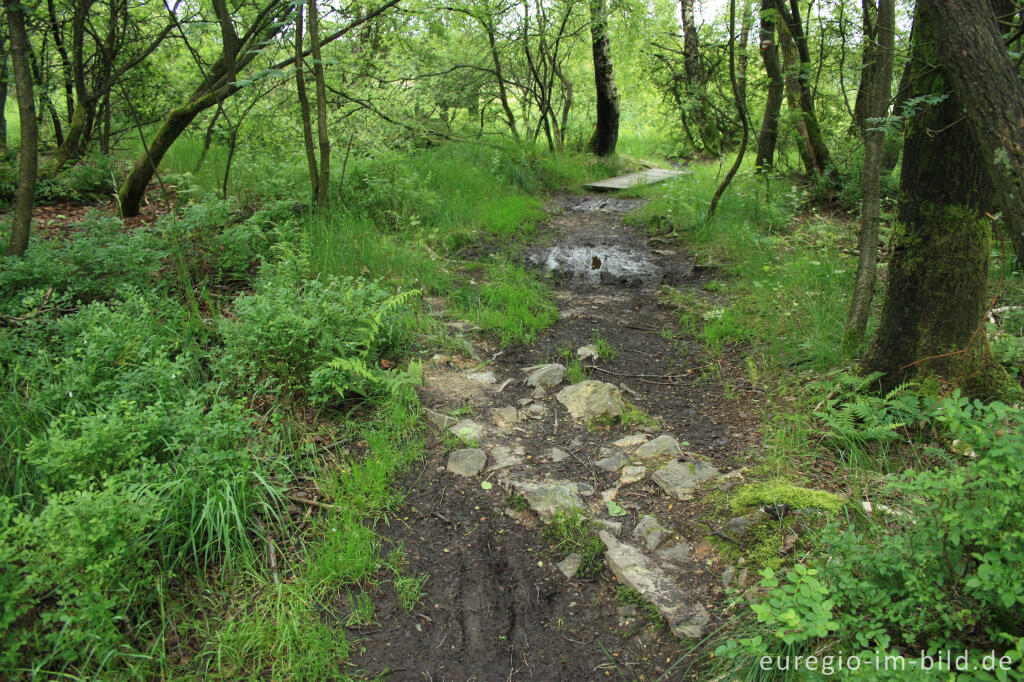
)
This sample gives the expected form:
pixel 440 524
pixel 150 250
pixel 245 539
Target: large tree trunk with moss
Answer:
pixel 769 134
pixel 979 70
pixel 606 134
pixel 28 161
pixel 876 105
pixel 932 320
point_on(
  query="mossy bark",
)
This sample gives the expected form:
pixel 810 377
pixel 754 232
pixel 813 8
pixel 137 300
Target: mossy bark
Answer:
pixel 769 135
pixel 932 319
pixel 28 159
pixel 606 132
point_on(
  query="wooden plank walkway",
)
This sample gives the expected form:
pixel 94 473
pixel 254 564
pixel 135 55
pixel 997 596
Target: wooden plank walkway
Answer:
pixel 644 177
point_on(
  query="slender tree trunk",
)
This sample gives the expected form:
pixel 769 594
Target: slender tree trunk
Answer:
pixel 932 320
pixel 769 135
pixel 868 65
pixel 3 99
pixel 324 180
pixel 606 134
pixel 876 106
pixel 791 65
pixel 891 153
pixel 510 118
pixel 28 160
pixel 983 78
pixel 305 117
pixel 738 80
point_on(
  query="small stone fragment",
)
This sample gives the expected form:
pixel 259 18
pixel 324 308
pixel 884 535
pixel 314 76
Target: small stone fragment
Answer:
pixel 441 421
pixel 727 576
pixel 523 402
pixel 626 611
pixel 591 399
pixel 613 527
pixel 505 416
pixel 650 532
pixel 739 525
pixel 548 497
pixel 679 479
pixel 633 441
pixel 662 446
pixel 546 376
pixel 588 352
pixel 556 454
pixel 676 554
pixel 503 458
pixel 609 494
pixel 632 474
pixel 483 377
pixel 537 410
pixel 612 462
pixel 468 431
pixel 569 565
pixel 467 462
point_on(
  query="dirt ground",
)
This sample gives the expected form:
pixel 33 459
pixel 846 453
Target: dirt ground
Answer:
pixel 495 607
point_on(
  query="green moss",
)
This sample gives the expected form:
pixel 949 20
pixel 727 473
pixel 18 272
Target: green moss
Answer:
pixel 630 597
pixel 778 492
pixel 517 502
pixel 766 545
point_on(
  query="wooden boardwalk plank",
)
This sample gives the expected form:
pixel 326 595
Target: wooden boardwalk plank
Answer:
pixel 644 177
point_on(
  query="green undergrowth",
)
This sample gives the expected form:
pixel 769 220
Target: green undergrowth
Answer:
pixel 929 568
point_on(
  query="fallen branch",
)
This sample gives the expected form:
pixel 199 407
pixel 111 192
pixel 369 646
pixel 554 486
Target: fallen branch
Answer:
pixel 12 321
pixel 311 503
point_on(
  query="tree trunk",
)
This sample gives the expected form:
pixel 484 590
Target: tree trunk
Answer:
pixel 769 135
pixel 28 159
pixel 738 80
pixel 868 65
pixel 978 68
pixel 323 140
pixel 891 153
pixel 305 118
pixel 606 134
pixel 791 64
pixel 876 106
pixel 3 100
pixel 932 320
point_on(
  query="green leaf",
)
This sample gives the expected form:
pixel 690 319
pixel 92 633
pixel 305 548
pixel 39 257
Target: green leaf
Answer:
pixel 486 485
pixel 614 509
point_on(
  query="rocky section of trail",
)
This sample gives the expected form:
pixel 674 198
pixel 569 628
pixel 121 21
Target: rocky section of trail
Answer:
pixel 626 448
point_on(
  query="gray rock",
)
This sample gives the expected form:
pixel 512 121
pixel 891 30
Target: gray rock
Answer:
pixel 556 454
pixel 503 457
pixel 483 377
pixel 676 554
pixel 505 417
pixel 632 474
pixel 650 532
pixel 468 431
pixel 523 402
pixel 537 410
pixel 687 617
pixel 612 462
pixel 569 565
pixel 613 527
pixel 727 576
pixel 588 352
pixel 627 442
pixel 548 497
pixel 740 524
pixel 590 399
pixel 662 446
pixel 626 611
pixel 679 479
pixel 546 376
pixel 467 462
pixel 441 421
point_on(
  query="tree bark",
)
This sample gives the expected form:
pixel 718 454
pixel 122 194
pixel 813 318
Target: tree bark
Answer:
pixel 324 142
pixel 978 68
pixel 606 134
pixel 304 112
pixel 932 319
pixel 28 160
pixel 876 106
pixel 791 65
pixel 769 135
pixel 738 80
pixel 3 97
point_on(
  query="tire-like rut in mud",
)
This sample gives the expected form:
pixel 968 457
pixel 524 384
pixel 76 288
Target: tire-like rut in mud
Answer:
pixel 495 606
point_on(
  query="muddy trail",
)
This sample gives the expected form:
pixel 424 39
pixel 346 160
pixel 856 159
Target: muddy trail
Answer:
pixel 504 602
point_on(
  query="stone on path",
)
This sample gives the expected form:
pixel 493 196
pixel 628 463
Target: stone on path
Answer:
pixel 740 524
pixel 467 462
pixel 503 457
pixel 468 431
pixel 506 417
pixel 650 532
pixel 591 399
pixel 627 442
pixel 556 455
pixel 613 462
pixel 679 479
pixel 546 376
pixel 659 447
pixel 549 497
pixel 676 554
pixel 441 421
pixel 588 352
pixel 686 617
pixel 632 474
pixel 569 565
pixel 486 377
pixel 613 527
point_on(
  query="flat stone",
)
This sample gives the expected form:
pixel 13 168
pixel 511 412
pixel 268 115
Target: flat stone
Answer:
pixel 626 611
pixel 612 462
pixel 676 554
pixel 441 421
pixel 662 446
pixel 548 497
pixel 588 352
pixel 467 462
pixel 727 576
pixel 686 618
pixel 632 474
pixel 523 402
pixel 537 410
pixel 633 441
pixel 650 532
pixel 546 376
pixel 740 524
pixel 556 454
pixel 503 457
pixel 506 416
pixel 569 565
pixel 468 431
pixel 483 377
pixel 613 527
pixel 679 479
pixel 590 399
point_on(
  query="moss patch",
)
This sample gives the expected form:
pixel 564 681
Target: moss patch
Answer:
pixel 777 492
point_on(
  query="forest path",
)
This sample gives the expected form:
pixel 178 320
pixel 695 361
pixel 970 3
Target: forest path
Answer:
pixel 501 602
